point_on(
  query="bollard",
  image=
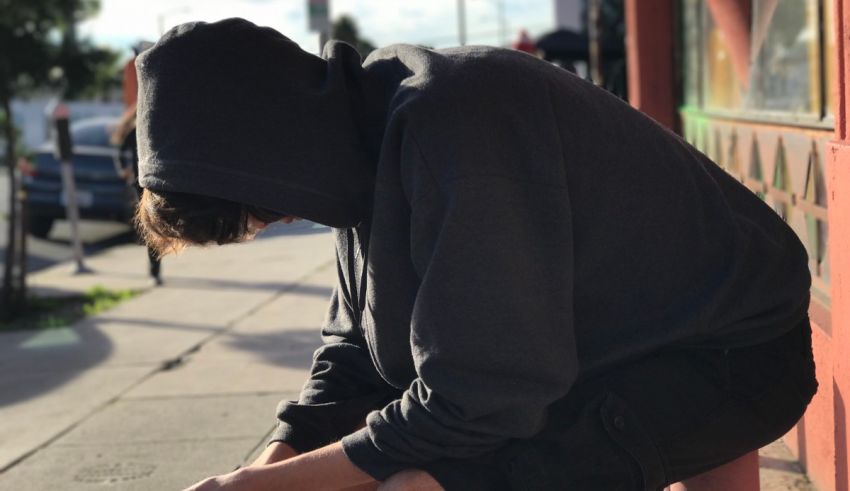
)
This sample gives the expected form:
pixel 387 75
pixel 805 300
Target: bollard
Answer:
pixel 742 474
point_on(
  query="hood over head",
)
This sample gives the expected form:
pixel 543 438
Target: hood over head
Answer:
pixel 239 112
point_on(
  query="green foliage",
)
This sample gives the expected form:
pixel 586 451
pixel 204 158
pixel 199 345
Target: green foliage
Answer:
pixel 52 313
pixel 41 49
pixel 100 299
pixel 345 29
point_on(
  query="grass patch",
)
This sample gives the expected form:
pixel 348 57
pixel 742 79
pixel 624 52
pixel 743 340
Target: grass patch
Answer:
pixel 99 299
pixel 51 313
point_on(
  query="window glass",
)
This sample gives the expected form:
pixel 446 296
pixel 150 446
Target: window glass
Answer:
pixel 785 68
pixel 762 57
pixel 721 86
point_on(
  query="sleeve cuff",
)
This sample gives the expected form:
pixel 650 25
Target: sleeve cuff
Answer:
pixel 298 440
pixel 360 450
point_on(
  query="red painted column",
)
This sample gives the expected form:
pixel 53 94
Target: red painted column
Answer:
pixel 649 52
pixel 838 189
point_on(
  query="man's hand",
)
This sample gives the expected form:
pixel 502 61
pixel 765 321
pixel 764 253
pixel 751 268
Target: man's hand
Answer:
pixel 246 479
pixel 274 452
pixel 324 468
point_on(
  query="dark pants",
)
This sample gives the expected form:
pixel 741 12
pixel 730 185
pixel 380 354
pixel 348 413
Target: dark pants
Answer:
pixel 154 263
pixel 655 421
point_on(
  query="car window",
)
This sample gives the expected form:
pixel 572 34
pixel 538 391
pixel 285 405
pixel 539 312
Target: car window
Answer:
pixel 94 135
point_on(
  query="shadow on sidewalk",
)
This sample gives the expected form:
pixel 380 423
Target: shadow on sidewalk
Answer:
pixel 195 282
pixel 36 362
pixel 287 348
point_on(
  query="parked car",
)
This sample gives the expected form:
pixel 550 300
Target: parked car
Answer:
pixel 102 193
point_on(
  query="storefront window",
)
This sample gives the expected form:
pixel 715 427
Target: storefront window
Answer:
pixel 761 57
pixel 785 66
pixel 720 83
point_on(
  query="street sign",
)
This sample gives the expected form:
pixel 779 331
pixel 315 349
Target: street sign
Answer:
pixel 318 15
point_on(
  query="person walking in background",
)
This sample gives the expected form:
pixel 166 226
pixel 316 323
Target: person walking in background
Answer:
pixel 124 139
pixel 127 165
pixel 539 287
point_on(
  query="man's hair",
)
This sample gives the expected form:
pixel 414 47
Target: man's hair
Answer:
pixel 170 221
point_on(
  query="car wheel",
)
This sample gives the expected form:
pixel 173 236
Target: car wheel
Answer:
pixel 40 226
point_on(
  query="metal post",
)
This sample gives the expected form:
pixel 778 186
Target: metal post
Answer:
pixel 63 152
pixel 461 22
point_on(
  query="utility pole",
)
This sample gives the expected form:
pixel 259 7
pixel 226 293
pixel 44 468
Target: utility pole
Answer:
pixel 461 22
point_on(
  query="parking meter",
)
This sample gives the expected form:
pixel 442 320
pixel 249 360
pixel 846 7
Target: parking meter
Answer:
pixel 63 151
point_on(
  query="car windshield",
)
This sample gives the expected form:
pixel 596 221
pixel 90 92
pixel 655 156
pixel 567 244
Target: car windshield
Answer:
pixel 92 134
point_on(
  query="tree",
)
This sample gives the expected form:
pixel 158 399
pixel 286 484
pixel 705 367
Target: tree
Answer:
pixel 40 50
pixel 345 29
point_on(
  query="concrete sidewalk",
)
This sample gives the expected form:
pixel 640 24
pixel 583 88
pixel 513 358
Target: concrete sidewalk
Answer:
pixel 174 385
pixel 181 382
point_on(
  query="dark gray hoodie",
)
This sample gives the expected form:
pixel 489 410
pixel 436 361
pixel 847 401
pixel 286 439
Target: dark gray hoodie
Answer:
pixel 503 228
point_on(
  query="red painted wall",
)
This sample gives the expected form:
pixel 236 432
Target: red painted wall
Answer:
pixel 838 189
pixel 839 222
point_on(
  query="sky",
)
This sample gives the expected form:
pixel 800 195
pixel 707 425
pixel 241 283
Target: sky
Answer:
pixel 121 23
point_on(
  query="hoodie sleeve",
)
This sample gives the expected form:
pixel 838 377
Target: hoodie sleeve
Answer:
pixel 492 327
pixel 343 386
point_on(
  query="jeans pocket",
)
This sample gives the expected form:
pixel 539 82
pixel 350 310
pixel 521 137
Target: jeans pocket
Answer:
pixel 630 434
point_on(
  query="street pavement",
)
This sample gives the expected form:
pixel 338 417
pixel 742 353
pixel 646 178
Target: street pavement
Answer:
pixel 182 381
pixel 176 384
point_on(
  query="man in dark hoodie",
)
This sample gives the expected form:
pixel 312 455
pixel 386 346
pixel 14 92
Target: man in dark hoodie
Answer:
pixel 539 287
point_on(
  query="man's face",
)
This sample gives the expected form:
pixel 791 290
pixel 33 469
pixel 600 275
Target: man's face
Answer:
pixel 255 225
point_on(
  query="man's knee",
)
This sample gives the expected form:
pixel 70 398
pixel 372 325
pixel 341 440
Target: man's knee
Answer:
pixel 411 480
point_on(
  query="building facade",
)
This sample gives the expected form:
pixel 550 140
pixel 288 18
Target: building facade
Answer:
pixel 761 87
